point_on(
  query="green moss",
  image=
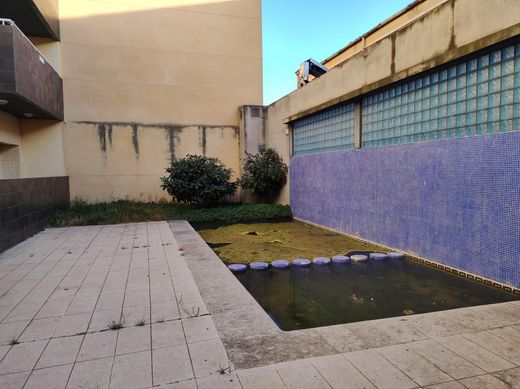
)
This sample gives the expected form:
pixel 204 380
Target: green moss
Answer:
pixel 245 243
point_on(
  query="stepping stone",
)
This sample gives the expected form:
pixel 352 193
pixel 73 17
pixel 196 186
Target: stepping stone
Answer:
pixel 358 258
pixel 378 256
pixel 280 264
pixel 301 262
pixel 321 261
pixel 237 267
pixel 395 255
pixel 259 265
pixel 340 259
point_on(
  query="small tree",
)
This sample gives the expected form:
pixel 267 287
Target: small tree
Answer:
pixel 198 179
pixel 264 174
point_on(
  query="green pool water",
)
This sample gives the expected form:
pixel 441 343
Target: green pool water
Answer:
pixel 298 298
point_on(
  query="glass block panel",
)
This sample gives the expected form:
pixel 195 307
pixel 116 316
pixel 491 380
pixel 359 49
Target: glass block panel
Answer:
pixel 477 96
pixel 325 131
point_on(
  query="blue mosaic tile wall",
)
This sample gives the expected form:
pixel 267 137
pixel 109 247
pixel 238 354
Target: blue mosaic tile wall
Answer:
pixel 328 130
pixel 454 201
pixel 476 97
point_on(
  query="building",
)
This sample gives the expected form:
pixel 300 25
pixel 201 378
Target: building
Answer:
pixel 409 136
pixel 114 89
pixel 106 93
pixel 412 138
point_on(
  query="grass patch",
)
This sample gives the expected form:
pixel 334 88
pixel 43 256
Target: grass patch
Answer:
pixel 13 341
pixel 81 213
pixel 245 243
pixel 116 325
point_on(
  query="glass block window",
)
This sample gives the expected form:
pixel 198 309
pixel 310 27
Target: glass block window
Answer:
pixel 476 97
pixel 328 130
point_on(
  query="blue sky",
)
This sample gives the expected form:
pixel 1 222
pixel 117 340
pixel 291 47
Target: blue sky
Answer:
pixel 294 31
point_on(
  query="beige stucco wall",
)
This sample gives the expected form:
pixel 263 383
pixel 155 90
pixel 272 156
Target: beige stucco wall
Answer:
pixel 403 18
pixel 9 129
pixel 10 166
pixel 42 148
pixel 453 29
pixel 166 76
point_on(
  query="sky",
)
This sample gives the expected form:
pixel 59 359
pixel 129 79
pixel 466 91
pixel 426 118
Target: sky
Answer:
pixel 294 31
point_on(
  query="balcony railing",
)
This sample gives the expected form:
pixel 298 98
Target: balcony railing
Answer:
pixel 29 85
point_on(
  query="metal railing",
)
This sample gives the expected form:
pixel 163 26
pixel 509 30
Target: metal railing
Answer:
pixel 9 22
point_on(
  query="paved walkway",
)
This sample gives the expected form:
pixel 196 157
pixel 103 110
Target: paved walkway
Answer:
pixel 64 292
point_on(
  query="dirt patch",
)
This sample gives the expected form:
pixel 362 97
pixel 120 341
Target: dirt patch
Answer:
pixel 245 243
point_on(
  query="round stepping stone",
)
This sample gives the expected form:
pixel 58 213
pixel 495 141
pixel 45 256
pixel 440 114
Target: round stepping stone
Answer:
pixel 378 256
pixel 321 261
pixel 358 258
pixel 237 267
pixel 395 255
pixel 340 259
pixel 301 262
pixel 280 264
pixel 258 265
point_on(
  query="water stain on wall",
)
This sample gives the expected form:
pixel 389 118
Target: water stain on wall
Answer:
pixel 172 132
pixel 135 140
pixel 173 135
pixel 203 139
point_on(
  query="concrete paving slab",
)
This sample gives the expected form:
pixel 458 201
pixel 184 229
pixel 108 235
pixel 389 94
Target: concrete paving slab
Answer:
pixel 510 377
pixel 260 378
pixel 446 385
pixel 171 364
pixel 134 339
pixel 167 334
pixel 340 373
pixel 14 381
pixel 225 381
pixel 505 348
pixel 51 377
pixel 22 357
pixel 132 371
pixel 413 365
pixel 60 351
pixel 301 375
pixel 91 374
pixel 98 345
pixel 483 358
pixel 200 321
pixel 484 381
pixel 199 328
pixel 208 357
pixel 447 360
pixel 40 329
pixel 379 371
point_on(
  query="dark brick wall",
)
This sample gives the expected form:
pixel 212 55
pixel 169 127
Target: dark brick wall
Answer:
pixel 26 204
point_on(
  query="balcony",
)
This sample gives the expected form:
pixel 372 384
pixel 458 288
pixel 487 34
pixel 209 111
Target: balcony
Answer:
pixel 29 86
pixel 34 17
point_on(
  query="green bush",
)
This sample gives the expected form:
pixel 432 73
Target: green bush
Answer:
pixel 265 174
pixel 198 179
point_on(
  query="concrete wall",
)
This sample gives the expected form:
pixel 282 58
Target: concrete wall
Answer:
pixel 453 201
pixel 148 81
pixel 449 31
pixel 26 204
pixel 387 27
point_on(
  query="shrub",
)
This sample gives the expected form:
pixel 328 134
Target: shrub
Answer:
pixel 198 179
pixel 264 174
